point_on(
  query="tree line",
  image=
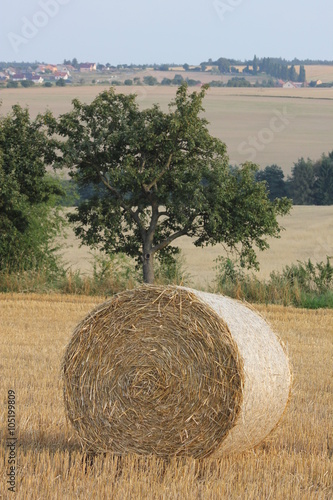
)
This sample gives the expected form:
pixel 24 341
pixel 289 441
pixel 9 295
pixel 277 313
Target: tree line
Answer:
pixel 310 182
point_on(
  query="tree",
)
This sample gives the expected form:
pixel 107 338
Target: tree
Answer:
pixel 323 185
pixel 150 80
pixel 27 83
pixel 61 82
pixel 12 84
pixel 302 75
pixel 223 65
pixel 166 81
pixel 274 177
pixel 292 74
pixel 255 65
pixel 158 176
pixel 301 183
pixel 28 221
pixel 178 79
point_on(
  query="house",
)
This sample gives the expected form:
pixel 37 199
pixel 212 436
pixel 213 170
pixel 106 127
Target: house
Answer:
pixel 60 74
pixel 46 68
pixel 87 67
pixel 280 83
pixel 37 79
pixel 65 69
pixel 3 76
pixel 288 85
pixel 18 77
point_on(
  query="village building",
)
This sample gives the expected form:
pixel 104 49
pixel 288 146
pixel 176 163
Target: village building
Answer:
pixel 87 67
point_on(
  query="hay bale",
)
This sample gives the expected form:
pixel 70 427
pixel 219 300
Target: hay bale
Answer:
pixel 174 371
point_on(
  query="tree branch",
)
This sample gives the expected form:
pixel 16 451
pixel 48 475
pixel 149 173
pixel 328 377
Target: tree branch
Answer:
pixel 147 187
pixel 169 239
pixel 126 207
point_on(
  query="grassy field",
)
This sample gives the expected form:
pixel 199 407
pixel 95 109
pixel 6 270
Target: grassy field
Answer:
pixel 308 234
pixel 295 461
pixel 266 126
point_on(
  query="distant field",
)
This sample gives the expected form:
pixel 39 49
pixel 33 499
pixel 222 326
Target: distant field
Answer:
pixel 294 462
pixel 308 234
pixel 319 72
pixel 266 126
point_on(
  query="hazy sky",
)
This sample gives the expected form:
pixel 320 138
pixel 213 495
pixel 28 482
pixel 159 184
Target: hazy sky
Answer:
pixel 161 31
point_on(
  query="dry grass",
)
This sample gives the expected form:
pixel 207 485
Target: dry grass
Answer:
pixel 235 115
pixel 308 234
pixel 295 462
pixel 319 72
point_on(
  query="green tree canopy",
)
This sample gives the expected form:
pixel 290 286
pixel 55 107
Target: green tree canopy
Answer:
pixel 28 225
pixel 301 182
pixel 274 177
pixel 323 185
pixel 158 176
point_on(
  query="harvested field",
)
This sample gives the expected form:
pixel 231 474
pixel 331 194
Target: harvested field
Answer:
pixel 296 461
pixel 267 126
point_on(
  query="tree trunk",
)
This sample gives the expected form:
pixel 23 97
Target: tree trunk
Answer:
pixel 148 267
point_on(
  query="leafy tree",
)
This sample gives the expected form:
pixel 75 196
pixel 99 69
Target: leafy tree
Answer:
pixel 178 80
pixel 292 74
pixel 61 82
pixel 47 84
pixel 323 185
pixel 158 176
pixel 301 183
pixel 274 177
pixel 237 81
pixel 28 221
pixel 12 85
pixel 223 65
pixel 27 83
pixel 166 81
pixel 150 80
pixel 255 65
pixel 186 67
pixel 128 81
pixel 302 75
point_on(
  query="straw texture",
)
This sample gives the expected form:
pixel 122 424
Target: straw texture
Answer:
pixel 173 371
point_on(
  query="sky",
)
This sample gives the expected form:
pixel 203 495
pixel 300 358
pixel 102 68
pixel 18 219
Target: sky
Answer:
pixel 164 31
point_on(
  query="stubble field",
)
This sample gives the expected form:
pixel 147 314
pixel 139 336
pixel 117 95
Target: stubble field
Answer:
pixel 266 126
pixel 295 461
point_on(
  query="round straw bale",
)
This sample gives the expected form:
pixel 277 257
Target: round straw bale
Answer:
pixel 174 371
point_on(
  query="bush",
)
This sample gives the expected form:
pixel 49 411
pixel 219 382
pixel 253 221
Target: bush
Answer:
pixel 170 269
pixel 303 284
pixel 27 83
pixel 12 85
